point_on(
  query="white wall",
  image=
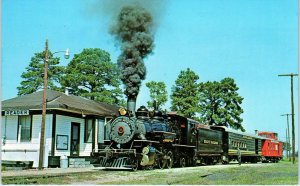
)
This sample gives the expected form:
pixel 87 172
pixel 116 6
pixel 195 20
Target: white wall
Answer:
pixel 29 151
pixel 9 127
pixel 63 127
pixel 36 129
pixel 26 151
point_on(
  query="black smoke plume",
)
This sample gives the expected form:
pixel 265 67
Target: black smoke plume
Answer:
pixel 133 31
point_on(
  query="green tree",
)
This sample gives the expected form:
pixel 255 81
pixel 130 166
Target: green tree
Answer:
pixel 221 104
pixel 34 75
pixel 93 75
pixel 185 94
pixel 158 93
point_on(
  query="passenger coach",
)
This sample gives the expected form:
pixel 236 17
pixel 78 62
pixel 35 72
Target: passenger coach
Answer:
pixel 249 145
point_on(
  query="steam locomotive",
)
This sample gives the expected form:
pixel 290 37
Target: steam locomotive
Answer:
pixel 152 139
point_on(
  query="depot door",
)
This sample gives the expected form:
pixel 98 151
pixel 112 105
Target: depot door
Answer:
pixel 75 139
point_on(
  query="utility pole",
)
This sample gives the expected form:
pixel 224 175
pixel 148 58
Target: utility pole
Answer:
pixel 286 144
pixel 288 136
pixel 42 139
pixel 293 123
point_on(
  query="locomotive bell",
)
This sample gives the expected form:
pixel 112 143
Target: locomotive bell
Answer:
pixel 122 111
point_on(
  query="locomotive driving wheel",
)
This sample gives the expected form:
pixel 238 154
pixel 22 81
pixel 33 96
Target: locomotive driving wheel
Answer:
pixel 160 163
pixel 134 164
pixel 169 159
pixel 182 162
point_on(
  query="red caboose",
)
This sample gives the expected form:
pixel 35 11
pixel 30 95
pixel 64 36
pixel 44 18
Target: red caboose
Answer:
pixel 271 147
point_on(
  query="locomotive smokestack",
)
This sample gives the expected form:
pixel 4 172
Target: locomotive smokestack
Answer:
pixel 131 104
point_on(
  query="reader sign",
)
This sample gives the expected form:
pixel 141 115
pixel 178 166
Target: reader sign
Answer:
pixel 16 112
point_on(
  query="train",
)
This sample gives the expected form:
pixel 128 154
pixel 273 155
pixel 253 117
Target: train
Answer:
pixel 153 139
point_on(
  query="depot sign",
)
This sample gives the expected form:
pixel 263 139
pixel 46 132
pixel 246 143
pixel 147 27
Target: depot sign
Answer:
pixel 16 112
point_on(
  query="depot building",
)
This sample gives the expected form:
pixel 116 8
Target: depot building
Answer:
pixel 74 127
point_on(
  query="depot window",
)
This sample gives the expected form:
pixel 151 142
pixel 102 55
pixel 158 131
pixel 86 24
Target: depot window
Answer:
pixel 88 131
pixel 24 130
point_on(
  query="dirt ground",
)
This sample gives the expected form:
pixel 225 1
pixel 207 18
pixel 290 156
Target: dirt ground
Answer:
pixel 98 176
pixel 140 176
pixel 46 171
pixel 50 171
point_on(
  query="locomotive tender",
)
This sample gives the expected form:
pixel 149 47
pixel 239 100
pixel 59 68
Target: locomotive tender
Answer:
pixel 148 139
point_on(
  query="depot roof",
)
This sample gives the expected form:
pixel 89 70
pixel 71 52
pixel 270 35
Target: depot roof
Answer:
pixel 60 101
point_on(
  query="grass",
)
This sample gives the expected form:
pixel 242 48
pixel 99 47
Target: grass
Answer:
pixel 281 173
pixel 276 174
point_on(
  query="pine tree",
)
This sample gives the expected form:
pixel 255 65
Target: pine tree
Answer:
pixel 221 104
pixel 93 75
pixel 185 94
pixel 34 75
pixel 158 94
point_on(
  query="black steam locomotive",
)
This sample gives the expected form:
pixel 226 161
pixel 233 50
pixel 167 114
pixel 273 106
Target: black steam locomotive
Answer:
pixel 148 139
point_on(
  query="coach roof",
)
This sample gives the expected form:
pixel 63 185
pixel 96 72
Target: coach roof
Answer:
pixel 238 132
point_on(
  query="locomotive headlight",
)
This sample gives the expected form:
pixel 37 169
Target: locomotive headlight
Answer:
pixel 145 150
pixel 120 130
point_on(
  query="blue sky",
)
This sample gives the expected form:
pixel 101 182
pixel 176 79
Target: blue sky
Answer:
pixel 251 41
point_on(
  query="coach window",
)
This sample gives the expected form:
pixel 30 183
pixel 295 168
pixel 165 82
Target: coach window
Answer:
pixel 24 128
pixel 88 131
